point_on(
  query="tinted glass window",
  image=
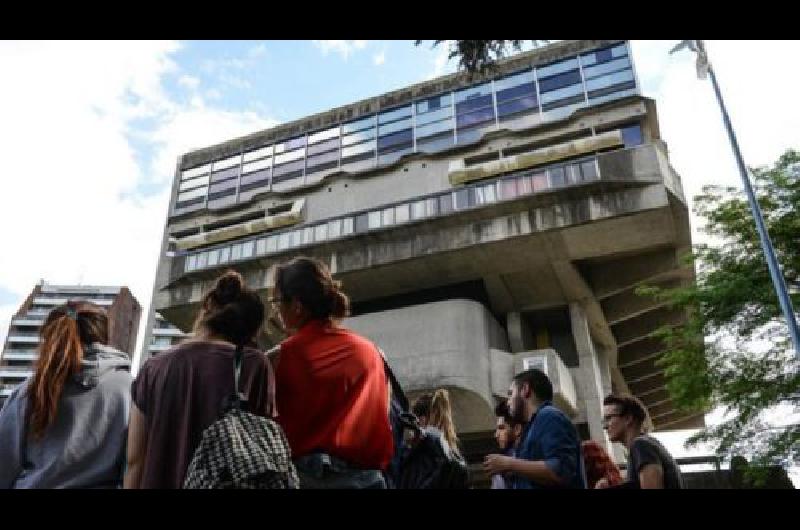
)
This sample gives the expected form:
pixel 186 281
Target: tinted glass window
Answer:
pixel 559 81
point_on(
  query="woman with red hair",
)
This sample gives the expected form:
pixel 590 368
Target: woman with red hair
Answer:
pixel 65 426
pixel 600 469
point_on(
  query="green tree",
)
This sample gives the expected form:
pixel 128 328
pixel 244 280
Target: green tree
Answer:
pixel 734 351
pixel 478 56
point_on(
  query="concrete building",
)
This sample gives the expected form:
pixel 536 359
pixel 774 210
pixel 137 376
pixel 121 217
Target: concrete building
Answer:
pixel 20 349
pixel 162 337
pixel 479 224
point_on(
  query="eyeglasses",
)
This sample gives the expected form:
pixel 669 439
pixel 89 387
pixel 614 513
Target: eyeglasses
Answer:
pixel 607 418
pixel 275 301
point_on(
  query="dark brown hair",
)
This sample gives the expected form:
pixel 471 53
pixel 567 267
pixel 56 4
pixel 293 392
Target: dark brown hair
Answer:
pixel 231 310
pixel 501 410
pixel 538 381
pixel 65 332
pixel 628 405
pixel 309 281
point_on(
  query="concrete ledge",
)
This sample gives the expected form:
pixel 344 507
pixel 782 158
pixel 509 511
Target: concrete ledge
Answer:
pixel 458 173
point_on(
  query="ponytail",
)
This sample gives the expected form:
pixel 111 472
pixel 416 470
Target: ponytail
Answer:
pixel 63 335
pixel 442 417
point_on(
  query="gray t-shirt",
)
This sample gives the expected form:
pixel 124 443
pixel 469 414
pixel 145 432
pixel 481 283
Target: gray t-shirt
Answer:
pixel 647 450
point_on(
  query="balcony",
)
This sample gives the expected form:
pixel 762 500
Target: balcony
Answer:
pixel 53 301
pixel 15 372
pixel 18 337
pixel 6 390
pixel 19 355
pixel 26 321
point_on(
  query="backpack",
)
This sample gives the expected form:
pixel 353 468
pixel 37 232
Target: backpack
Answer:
pixel 428 465
pixel 241 450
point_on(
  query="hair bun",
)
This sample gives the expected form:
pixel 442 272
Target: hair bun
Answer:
pixel 228 287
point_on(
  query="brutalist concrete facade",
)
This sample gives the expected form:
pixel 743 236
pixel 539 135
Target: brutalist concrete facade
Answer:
pixel 480 225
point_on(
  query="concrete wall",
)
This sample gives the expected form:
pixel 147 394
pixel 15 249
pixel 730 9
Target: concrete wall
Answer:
pixel 442 344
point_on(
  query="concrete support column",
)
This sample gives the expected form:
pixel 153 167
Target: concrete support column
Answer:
pixel 590 370
pixel 519 333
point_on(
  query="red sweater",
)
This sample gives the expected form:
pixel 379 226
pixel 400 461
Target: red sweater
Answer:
pixel 332 396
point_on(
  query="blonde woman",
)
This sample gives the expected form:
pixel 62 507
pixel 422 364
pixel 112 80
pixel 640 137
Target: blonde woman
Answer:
pixel 433 411
pixel 433 459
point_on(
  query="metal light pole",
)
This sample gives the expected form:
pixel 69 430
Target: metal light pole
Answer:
pixel 778 281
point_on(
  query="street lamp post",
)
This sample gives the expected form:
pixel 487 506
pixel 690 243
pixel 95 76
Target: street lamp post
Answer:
pixel 704 66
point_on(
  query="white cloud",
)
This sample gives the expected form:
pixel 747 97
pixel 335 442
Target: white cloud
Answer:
pixel 257 51
pixel 213 94
pixel 343 47
pixel 379 58
pixel 442 64
pixel 71 167
pixel 690 120
pixel 189 82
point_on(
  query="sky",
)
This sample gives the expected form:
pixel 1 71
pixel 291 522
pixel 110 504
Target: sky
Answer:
pixel 91 132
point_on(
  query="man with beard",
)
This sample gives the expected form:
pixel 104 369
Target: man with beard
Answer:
pixel 549 453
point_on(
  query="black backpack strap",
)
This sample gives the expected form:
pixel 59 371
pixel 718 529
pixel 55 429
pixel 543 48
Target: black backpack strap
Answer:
pixel 271 409
pixel 238 397
pixel 397 390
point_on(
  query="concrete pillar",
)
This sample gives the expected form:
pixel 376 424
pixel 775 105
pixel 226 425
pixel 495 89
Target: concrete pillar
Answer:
pixel 520 335
pixel 515 326
pixel 590 374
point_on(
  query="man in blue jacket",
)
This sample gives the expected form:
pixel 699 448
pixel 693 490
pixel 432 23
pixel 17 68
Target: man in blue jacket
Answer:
pixel 549 455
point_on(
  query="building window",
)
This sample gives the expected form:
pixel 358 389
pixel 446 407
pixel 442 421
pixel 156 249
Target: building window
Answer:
pixel 516 95
pixel 213 257
pixel 308 235
pixel 321 232
pixel 387 217
pixel 295 238
pixel 361 223
pixel 464 198
pixel 335 228
pixel 374 219
pixel 557 177
pixel 347 226
pixel 401 213
pixel 224 254
pixel 283 241
pixel 632 135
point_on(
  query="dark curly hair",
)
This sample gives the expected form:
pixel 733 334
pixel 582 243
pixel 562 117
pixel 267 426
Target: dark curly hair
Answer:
pixel 231 310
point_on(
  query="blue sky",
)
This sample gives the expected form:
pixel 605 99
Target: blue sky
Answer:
pixel 92 131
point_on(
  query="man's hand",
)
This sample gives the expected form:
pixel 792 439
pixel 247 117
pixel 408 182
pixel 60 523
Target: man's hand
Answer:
pixel 494 464
pixel 602 484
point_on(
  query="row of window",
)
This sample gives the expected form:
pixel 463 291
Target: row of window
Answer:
pixel 428 125
pixel 502 189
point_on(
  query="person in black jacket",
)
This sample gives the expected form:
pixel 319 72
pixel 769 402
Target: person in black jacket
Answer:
pixel 432 459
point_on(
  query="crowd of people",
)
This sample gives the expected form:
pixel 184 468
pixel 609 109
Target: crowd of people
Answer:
pixel 320 408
